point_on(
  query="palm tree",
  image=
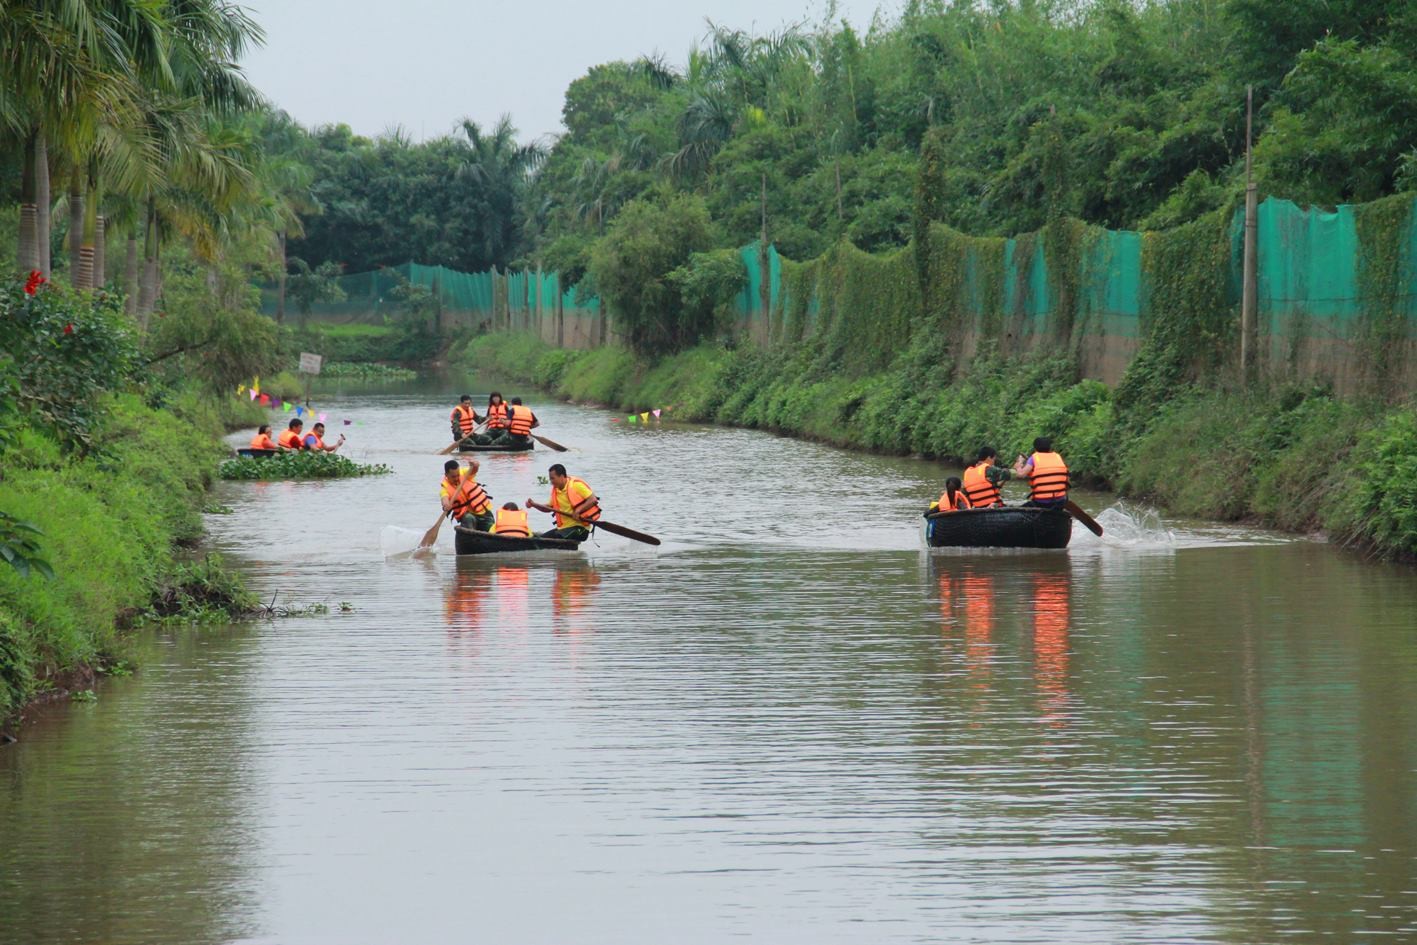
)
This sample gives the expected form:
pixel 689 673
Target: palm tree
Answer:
pixel 500 169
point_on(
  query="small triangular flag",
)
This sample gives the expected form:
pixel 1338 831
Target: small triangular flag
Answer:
pixel 348 422
pixel 288 406
pixel 656 414
pixel 253 392
pixel 241 389
pixel 644 417
pixel 632 418
pixel 322 418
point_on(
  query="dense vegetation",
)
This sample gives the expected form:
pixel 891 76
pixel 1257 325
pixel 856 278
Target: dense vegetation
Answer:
pixel 304 465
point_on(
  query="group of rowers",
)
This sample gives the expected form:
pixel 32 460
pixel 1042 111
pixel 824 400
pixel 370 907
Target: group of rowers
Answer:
pixel 507 424
pixel 465 501
pixel 293 439
pixel 1045 471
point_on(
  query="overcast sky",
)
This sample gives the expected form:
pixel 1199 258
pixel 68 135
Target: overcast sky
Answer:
pixel 424 64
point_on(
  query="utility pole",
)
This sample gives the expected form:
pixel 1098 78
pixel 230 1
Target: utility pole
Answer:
pixel 1249 294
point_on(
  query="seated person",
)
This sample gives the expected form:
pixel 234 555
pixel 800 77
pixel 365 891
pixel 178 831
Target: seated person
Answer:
pixel 952 499
pixel 512 521
pixel 1047 476
pixel 262 440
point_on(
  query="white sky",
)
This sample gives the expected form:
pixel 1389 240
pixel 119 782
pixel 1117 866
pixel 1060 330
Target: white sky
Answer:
pixel 424 64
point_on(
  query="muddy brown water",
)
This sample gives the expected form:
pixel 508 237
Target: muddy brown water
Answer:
pixel 789 723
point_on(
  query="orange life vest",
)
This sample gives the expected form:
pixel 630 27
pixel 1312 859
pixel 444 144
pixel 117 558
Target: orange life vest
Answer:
pixel 319 443
pixel 587 509
pixel 262 441
pixel 497 416
pixel 464 418
pixel 469 497
pixel 519 420
pixel 1048 479
pixel 980 492
pixel 512 523
pixel 961 501
pixel 292 440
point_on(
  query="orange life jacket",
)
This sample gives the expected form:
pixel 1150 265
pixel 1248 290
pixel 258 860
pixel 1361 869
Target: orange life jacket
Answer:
pixel 292 440
pixel 319 443
pixel 519 420
pixel 262 441
pixel 588 509
pixel 497 416
pixel 961 501
pixel 1048 479
pixel 512 523
pixel 469 497
pixel 980 492
pixel 464 418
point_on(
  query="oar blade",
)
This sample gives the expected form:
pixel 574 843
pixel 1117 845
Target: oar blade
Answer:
pixel 1087 520
pixel 430 536
pixel 630 533
pixel 551 443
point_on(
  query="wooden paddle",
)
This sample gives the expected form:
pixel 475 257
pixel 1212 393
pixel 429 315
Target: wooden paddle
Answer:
pixel 456 443
pixel 1076 512
pixel 610 527
pixel 431 535
pixel 551 443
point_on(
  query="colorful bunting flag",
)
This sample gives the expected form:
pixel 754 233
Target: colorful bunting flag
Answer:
pixel 656 414
pixel 322 418
pixel 253 393
pixel 348 422
pixel 632 418
pixel 644 417
pixel 241 389
pixel 265 400
pixel 288 406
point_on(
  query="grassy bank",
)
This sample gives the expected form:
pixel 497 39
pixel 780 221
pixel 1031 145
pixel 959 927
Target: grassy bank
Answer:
pixel 114 523
pixel 1297 459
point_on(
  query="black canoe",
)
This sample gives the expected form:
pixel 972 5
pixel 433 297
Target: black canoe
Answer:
pixel 474 448
pixel 470 541
pixel 247 452
pixel 999 528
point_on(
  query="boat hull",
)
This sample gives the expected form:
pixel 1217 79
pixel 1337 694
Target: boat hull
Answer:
pixel 247 452
pixel 474 448
pixel 470 541
pixel 999 528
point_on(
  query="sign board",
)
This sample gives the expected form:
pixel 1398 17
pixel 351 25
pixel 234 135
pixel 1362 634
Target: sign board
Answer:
pixel 310 363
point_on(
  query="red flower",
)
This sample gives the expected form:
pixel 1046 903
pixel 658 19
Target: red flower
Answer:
pixel 69 328
pixel 35 280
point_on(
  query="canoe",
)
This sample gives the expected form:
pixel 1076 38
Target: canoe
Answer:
pixel 470 541
pixel 474 448
pixel 1014 527
pixel 247 452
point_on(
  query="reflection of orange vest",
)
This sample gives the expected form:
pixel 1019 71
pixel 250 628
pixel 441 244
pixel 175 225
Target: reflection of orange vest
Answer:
pixel 1049 477
pixel 497 416
pixel 978 489
pixel 470 497
pixel 961 501
pixel 292 440
pixel 462 416
pixel 512 523
pixel 262 441
pixel 588 509
pixel 519 418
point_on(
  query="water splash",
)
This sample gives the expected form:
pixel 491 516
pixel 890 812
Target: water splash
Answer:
pixel 1135 525
pixel 396 542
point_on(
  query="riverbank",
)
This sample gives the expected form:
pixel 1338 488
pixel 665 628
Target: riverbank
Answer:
pixel 118 525
pixel 1298 459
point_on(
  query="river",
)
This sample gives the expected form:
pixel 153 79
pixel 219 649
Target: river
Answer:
pixel 787 724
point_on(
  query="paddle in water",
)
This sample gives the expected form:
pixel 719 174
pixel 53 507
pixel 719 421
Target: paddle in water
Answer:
pixel 456 443
pixel 610 527
pixel 431 535
pixel 551 443
pixel 1087 520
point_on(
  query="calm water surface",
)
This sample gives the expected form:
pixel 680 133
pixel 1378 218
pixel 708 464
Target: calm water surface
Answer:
pixel 787 724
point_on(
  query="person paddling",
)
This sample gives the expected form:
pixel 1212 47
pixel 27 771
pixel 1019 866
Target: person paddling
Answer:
pixel 570 497
pixel 290 437
pixel 315 440
pixel 262 440
pixel 464 500
pixel 1047 476
pixel 496 420
pixel 982 480
pixel 520 422
pixel 464 418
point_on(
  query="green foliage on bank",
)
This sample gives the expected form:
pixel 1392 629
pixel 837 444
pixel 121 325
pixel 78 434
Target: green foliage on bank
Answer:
pixel 1294 458
pixel 301 465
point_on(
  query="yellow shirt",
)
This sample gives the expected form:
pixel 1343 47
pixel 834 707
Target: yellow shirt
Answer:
pixel 565 505
pixel 448 488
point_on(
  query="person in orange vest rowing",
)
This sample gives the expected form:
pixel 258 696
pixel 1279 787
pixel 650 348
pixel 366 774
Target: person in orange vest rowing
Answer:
pixel 315 440
pixel 463 418
pixel 520 422
pixel 512 521
pixel 570 497
pixel 982 480
pixel 464 500
pixel 1047 476
pixel 262 440
pixel 952 499
pixel 290 437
